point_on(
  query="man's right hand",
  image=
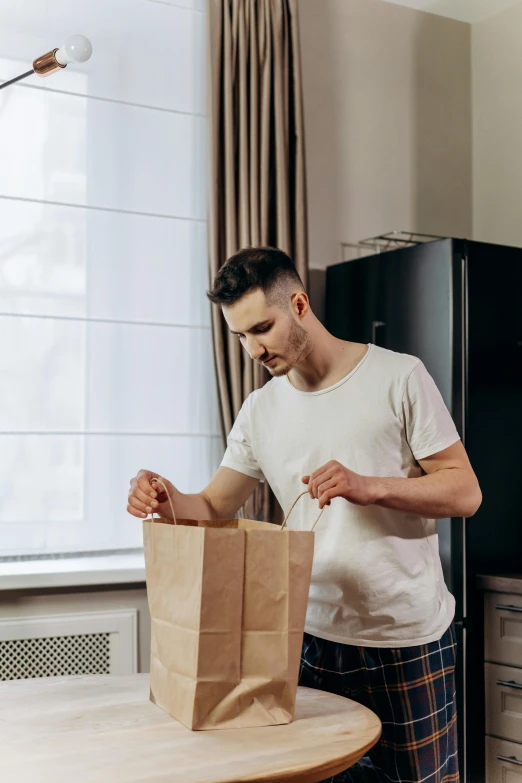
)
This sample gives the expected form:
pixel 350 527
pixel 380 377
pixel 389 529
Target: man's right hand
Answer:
pixel 227 492
pixel 144 497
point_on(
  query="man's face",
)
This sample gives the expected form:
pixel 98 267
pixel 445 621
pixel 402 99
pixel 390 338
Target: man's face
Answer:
pixel 270 334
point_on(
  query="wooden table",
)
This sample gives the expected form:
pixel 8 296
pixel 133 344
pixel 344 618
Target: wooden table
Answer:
pixel 104 729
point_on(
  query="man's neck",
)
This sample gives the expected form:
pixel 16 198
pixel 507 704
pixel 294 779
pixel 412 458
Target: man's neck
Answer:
pixel 329 361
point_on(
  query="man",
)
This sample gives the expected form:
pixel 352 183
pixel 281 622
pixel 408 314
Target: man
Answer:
pixel 368 433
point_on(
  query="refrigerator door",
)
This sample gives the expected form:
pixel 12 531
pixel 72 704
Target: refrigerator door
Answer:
pixel 493 438
pixel 495 404
pixel 402 300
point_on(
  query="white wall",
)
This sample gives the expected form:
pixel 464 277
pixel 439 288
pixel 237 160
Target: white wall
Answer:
pixel 387 97
pixel 497 128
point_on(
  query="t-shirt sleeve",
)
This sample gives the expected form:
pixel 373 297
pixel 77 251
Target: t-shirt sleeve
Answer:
pixel 239 454
pixel 429 426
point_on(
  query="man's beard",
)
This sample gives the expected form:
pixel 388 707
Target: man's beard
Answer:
pixel 299 344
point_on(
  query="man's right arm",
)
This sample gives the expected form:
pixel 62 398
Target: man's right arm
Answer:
pixel 221 499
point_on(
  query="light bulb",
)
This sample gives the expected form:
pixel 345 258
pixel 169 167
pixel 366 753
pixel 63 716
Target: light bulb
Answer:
pixel 76 49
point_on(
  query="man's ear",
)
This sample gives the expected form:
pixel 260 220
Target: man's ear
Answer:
pixel 300 304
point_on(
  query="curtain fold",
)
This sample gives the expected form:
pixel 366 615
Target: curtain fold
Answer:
pixel 257 169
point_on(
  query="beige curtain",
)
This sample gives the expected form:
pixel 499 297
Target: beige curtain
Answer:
pixel 257 165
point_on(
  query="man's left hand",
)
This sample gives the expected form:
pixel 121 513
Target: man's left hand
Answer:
pixel 333 480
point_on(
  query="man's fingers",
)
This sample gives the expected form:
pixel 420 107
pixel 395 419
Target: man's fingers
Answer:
pixel 146 487
pixel 311 482
pixel 143 498
pixel 326 491
pixel 324 485
pixel 143 508
pixel 318 479
pixel 326 498
pixel 139 494
pixel 158 489
pixel 135 512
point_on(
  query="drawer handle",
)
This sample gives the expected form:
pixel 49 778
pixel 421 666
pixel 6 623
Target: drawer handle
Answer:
pixel 511 759
pixel 509 607
pixel 509 684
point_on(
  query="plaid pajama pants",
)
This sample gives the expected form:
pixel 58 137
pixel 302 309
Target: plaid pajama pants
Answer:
pixel 411 689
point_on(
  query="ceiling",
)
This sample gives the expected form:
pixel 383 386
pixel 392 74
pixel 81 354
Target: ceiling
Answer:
pixel 464 10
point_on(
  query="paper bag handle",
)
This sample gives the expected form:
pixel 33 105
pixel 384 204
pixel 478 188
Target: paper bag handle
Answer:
pixel 295 503
pixel 159 481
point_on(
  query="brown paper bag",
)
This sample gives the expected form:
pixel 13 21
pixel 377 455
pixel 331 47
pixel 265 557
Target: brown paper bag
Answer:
pixel 227 601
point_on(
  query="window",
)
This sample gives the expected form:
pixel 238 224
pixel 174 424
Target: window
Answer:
pixel 106 359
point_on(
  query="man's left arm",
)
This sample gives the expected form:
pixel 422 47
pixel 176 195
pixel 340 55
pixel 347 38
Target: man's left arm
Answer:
pixel 449 488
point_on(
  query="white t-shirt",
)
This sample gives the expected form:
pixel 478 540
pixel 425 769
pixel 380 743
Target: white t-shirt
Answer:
pixel 377 578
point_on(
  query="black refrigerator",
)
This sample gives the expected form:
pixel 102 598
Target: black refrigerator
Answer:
pixel 457 305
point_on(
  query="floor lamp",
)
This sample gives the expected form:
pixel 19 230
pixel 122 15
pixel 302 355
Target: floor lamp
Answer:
pixel 76 49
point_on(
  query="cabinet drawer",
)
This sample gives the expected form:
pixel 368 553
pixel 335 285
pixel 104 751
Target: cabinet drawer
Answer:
pixel 504 701
pixel 503 628
pixel 503 761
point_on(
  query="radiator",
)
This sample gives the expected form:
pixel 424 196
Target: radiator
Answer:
pixel 69 644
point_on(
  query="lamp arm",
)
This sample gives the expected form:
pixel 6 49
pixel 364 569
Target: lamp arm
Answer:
pixel 16 79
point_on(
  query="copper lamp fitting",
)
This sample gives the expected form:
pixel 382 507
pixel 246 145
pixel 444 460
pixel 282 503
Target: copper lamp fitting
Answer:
pixel 47 64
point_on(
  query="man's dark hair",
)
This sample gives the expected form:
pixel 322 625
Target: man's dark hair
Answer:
pixel 266 268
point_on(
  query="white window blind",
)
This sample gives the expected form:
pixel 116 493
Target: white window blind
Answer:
pixel 106 358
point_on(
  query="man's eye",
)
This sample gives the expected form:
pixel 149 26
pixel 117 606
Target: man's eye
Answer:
pixel 264 329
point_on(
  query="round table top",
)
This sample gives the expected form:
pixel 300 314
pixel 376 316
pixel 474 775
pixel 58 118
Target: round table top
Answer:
pixel 104 728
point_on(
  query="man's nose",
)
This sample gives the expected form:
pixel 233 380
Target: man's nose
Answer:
pixel 255 349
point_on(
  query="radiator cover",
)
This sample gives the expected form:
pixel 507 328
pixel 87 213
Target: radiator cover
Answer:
pixel 68 644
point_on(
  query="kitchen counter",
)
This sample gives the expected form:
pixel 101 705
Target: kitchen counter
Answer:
pixel 501 583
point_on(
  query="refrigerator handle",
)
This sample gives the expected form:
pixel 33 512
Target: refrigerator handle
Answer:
pixel 508 608
pixel 509 684
pixel 511 759
pixel 375 326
